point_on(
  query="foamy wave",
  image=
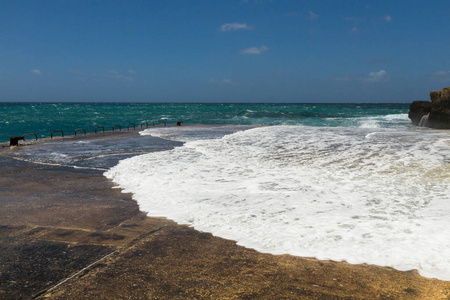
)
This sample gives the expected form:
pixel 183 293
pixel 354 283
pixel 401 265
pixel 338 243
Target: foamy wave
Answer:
pixel 360 195
pixel 192 133
pixel 384 121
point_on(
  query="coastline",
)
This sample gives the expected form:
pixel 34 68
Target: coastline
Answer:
pixel 56 221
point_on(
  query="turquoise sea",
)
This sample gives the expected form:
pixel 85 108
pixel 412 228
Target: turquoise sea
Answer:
pixel 17 119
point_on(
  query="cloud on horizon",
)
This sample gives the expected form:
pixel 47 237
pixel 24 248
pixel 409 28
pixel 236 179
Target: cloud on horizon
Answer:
pixel 441 76
pixel 373 77
pixel 255 50
pixel 117 75
pixel 36 72
pixel 361 22
pixel 376 76
pixel 235 27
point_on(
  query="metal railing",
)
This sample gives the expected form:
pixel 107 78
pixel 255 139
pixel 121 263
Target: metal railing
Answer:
pixel 79 129
pixel 14 139
pixel 31 133
pixel 55 131
pixel 103 128
pixel 159 122
pixel 128 126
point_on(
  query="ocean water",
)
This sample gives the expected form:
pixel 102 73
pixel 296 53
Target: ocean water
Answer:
pixel 346 182
pixel 17 119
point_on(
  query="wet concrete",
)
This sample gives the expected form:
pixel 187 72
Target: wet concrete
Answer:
pixel 56 221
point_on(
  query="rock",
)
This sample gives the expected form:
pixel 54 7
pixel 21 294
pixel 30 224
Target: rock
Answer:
pixel 438 110
pixel 441 98
pixel 417 110
pixel 439 118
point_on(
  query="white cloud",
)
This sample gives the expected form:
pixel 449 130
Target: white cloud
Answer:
pixel 117 75
pixel 376 76
pixel 441 76
pixel 36 72
pixel 362 22
pixel 441 73
pixel 255 50
pixel 80 75
pixel 132 72
pixel 312 16
pixel 235 27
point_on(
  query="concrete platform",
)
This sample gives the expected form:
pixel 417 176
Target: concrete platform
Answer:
pixel 67 234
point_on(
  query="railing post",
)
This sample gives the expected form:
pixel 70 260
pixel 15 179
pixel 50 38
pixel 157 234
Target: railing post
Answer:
pixel 62 133
pixel 128 126
pixel 157 122
pixel 103 128
pixel 14 140
pixel 79 130
pixel 31 133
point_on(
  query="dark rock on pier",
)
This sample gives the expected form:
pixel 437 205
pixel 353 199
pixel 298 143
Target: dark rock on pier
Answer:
pixel 434 114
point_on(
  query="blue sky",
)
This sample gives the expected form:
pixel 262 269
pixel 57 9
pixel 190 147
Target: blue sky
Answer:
pixel 223 51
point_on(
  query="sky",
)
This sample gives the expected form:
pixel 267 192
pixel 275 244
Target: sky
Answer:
pixel 223 51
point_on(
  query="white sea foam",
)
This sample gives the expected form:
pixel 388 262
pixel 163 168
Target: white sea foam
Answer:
pixel 363 195
pixel 193 133
pixel 394 120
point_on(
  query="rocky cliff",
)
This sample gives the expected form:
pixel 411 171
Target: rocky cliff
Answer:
pixel 434 114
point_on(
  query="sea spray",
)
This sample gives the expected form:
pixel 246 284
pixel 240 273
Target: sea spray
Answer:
pixel 424 121
pixel 363 195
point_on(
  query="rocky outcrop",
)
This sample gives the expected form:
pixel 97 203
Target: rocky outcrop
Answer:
pixel 417 110
pixel 436 113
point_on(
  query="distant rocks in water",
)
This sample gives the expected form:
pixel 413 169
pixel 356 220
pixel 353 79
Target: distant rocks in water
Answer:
pixel 434 114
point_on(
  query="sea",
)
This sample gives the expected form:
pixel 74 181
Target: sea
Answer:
pixel 343 182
